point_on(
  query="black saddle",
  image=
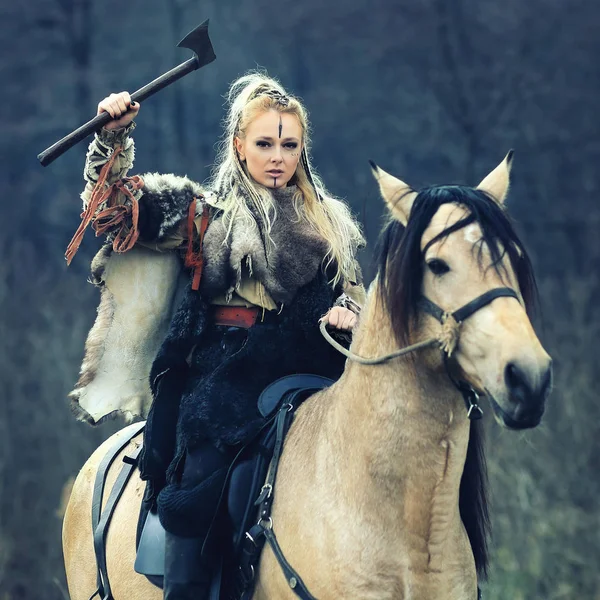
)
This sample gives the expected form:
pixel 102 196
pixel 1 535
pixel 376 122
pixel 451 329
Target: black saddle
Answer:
pixel 242 488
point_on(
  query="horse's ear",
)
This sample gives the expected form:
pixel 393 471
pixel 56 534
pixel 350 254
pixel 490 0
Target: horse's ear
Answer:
pixel 398 196
pixel 497 182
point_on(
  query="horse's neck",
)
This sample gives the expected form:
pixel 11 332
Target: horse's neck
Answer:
pixel 402 431
pixel 415 386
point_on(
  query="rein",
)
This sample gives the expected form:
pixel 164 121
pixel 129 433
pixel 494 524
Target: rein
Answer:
pixel 380 359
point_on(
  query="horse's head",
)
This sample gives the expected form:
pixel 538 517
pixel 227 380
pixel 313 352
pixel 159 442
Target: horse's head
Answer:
pixel 446 247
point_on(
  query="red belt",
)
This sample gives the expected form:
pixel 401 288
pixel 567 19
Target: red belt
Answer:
pixel 235 316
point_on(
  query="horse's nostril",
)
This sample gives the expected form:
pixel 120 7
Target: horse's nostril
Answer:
pixel 512 375
pixel 528 386
pixel 516 382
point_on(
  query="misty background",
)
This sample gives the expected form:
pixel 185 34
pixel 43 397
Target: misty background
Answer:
pixel 434 91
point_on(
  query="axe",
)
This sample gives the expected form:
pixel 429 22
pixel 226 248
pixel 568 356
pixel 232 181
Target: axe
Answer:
pixel 196 40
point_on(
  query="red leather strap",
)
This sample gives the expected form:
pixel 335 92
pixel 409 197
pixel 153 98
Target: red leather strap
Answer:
pixel 99 194
pixel 235 316
pixel 194 258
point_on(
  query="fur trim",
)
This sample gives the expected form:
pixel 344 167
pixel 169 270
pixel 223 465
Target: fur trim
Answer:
pixel 289 260
pixel 164 204
pixel 229 369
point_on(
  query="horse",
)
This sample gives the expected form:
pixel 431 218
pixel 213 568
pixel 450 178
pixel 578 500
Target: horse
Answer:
pixel 381 489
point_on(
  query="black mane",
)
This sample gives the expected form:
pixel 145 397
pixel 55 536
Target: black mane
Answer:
pixel 400 271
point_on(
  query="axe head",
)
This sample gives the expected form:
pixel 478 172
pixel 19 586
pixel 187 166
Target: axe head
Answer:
pixel 199 43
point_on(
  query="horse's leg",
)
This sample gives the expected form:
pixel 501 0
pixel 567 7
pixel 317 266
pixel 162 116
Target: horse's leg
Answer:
pixel 78 548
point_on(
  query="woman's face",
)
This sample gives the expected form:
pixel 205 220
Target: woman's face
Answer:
pixel 271 148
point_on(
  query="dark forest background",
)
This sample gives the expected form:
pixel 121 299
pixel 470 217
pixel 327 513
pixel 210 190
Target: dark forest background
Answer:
pixel 434 91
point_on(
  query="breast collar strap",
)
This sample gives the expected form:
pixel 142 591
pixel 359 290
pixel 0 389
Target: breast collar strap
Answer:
pixel 470 396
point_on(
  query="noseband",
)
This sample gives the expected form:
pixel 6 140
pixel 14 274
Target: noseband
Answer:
pixel 470 396
pixel 447 340
pixel 468 309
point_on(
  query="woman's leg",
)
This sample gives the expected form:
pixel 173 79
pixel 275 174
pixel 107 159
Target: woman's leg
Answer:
pixel 187 510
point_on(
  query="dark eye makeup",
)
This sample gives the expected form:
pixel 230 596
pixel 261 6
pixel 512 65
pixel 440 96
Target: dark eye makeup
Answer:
pixel 287 145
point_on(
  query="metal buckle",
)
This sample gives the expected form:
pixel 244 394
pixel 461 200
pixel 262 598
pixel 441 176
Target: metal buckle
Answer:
pixel 474 406
pixel 266 488
pixel 269 522
pixel 477 415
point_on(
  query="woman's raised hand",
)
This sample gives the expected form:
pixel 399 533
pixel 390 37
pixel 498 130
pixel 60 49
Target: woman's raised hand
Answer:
pixel 120 108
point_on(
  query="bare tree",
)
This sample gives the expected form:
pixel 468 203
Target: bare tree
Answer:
pixel 70 24
pixel 176 10
pixel 479 81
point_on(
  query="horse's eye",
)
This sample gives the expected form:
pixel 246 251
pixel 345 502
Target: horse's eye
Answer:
pixel 438 266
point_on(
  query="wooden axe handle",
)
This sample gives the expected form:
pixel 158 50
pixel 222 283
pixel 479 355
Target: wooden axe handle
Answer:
pixel 60 147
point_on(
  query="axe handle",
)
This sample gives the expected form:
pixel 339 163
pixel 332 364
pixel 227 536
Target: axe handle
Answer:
pixel 60 147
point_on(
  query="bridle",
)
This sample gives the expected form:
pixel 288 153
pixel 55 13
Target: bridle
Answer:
pixel 470 396
pixel 447 340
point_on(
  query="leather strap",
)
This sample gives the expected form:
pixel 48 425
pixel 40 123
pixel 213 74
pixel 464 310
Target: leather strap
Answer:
pixel 470 308
pixel 194 257
pixel 100 520
pixel 263 530
pixel 470 396
pixel 235 316
pixel 294 580
pixel 99 195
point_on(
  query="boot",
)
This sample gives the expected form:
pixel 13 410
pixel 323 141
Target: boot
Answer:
pixel 187 574
pixel 187 509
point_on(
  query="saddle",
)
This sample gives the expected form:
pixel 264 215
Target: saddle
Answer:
pixel 244 491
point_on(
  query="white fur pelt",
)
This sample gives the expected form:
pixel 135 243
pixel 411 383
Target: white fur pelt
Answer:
pixel 138 293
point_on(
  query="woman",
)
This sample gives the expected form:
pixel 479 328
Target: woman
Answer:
pixel 268 252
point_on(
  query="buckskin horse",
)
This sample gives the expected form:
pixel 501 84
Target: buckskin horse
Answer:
pixel 380 492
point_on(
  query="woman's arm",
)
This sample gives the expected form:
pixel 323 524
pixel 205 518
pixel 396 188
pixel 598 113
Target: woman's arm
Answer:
pixel 113 136
pixel 100 151
pixel 344 314
pixel 151 209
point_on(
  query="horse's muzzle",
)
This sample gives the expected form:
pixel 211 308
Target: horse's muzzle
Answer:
pixel 527 391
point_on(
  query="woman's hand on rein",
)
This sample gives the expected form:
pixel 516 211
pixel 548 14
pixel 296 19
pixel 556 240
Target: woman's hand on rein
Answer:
pixel 120 108
pixel 340 318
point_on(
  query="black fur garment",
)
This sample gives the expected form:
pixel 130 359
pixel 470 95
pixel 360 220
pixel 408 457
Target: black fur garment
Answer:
pixel 229 368
pixel 226 376
pixel 214 400
pixel 207 379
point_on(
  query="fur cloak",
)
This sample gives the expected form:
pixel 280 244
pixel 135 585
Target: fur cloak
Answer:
pixel 148 322
pixel 139 292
